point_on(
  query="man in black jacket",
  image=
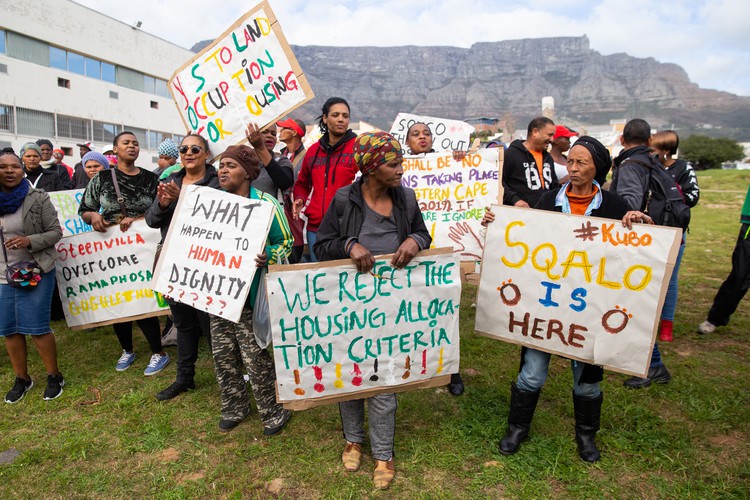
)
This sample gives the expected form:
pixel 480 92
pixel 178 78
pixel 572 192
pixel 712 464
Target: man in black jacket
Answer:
pixel 630 180
pixel 528 169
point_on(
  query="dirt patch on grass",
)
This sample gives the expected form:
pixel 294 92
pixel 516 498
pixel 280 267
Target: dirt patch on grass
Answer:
pixel 720 205
pixel 169 455
pixel 191 476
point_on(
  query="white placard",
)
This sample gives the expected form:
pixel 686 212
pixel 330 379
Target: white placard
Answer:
pixel 338 333
pixel 248 74
pixel 447 135
pixel 208 257
pixel 582 287
pixel 66 203
pixel 453 195
pixel 106 278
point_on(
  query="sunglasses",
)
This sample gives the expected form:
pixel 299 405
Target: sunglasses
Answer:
pixel 193 149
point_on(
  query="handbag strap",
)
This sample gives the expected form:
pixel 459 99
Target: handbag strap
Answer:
pixel 2 242
pixel 120 199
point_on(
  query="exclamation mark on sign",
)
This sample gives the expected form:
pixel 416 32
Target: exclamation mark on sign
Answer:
pixel 357 380
pixel 407 368
pixel 424 362
pixel 440 361
pixel 299 391
pixel 338 384
pixel 432 234
pixel 374 377
pixel 319 376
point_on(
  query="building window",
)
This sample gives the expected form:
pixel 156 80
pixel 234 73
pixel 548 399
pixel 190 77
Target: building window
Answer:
pixel 62 82
pixel 2 41
pixel 162 88
pixel 58 58
pixel 35 123
pixel 140 134
pixel 155 138
pixel 108 73
pixel 6 118
pixel 73 128
pixel 4 68
pixel 105 132
pixel 148 84
pixel 177 138
pixel 154 105
pixel 93 68
pixel 113 95
pixel 76 63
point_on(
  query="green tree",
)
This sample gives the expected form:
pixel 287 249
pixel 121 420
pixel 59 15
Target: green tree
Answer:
pixel 705 152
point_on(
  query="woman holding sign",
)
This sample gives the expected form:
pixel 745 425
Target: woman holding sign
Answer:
pixel 234 345
pixel 588 163
pixel 327 166
pixel 29 230
pixel 189 322
pixel 373 216
pixel 122 194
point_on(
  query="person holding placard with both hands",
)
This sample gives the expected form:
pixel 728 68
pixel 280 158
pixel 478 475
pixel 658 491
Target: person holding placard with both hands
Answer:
pixel 588 163
pixel 373 216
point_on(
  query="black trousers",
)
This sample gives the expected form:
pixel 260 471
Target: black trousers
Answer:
pixel 737 283
pixel 190 323
pixel 150 328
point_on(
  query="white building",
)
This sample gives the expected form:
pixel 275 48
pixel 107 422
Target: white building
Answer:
pixel 73 75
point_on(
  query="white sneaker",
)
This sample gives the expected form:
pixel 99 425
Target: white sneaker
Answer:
pixel 706 327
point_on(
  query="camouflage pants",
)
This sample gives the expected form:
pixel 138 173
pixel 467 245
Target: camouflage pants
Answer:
pixel 236 352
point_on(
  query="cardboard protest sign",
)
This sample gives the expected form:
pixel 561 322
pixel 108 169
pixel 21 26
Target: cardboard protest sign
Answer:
pixel 208 257
pixel 453 195
pixel 248 74
pixel 105 278
pixel 66 203
pixel 339 334
pixel 582 287
pixel 447 135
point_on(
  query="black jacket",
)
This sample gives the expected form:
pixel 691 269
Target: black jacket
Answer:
pixel 46 179
pixel 521 175
pixel 156 217
pixel 629 178
pixel 684 176
pixel 343 221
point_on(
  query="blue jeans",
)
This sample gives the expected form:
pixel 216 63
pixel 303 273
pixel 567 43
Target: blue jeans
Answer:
pixel 670 301
pixel 655 357
pixel 312 236
pixel 533 374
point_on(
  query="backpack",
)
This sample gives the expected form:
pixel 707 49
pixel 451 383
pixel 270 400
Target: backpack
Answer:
pixel 664 201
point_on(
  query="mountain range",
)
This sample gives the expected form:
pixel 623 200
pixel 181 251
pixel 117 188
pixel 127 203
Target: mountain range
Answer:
pixel 507 80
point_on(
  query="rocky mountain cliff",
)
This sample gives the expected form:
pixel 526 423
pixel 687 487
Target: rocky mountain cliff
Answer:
pixel 508 79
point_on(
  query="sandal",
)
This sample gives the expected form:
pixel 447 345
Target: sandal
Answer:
pixel 352 456
pixel 385 471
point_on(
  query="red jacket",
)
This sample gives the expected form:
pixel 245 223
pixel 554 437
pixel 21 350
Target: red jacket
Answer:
pixel 324 170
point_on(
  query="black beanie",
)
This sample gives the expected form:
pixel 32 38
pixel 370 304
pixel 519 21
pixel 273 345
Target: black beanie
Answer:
pixel 600 154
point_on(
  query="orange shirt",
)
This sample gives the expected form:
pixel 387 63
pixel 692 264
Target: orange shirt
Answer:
pixel 579 204
pixel 539 159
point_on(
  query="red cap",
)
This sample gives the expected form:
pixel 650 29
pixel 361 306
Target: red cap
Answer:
pixel 290 123
pixel 563 131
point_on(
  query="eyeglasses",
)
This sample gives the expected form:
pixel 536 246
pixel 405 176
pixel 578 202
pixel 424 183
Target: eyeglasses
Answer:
pixel 193 149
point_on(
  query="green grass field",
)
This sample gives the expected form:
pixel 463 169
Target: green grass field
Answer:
pixel 687 439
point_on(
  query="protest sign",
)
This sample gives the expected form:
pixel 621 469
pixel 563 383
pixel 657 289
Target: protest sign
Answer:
pixel 339 334
pixel 66 203
pixel 447 135
pixel 248 74
pixel 105 278
pixel 453 195
pixel 208 257
pixel 582 287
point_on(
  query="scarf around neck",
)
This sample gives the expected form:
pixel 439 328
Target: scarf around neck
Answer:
pixel 10 202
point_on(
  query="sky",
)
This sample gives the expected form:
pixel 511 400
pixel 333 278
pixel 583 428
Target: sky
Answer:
pixel 710 39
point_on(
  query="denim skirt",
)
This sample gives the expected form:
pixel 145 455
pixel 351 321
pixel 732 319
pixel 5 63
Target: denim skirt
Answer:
pixel 26 310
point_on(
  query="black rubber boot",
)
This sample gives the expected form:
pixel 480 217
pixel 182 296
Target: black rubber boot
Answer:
pixel 522 406
pixel 588 415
